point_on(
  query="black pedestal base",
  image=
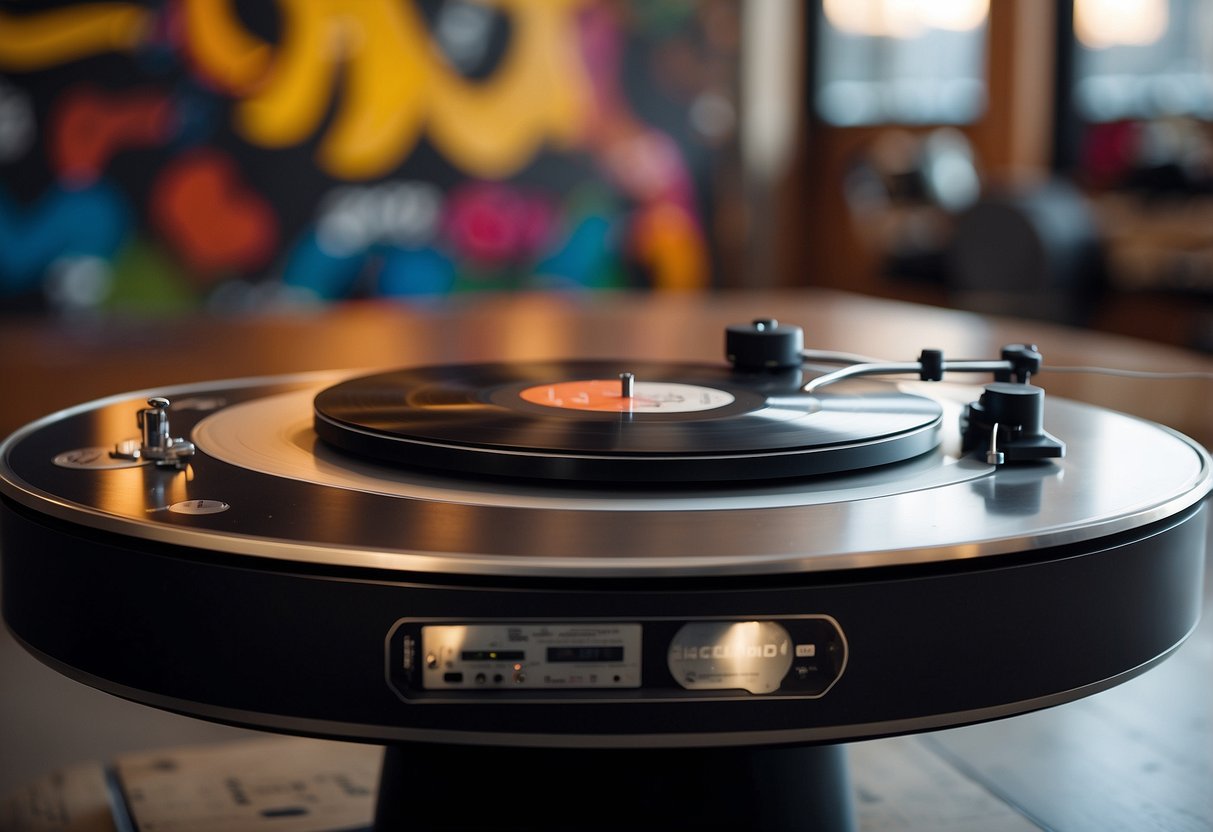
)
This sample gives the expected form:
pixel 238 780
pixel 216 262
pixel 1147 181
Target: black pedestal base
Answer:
pixel 431 787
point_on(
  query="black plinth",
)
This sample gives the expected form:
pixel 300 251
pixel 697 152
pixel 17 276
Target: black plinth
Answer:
pixel 445 787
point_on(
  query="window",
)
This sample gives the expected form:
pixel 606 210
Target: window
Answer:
pixel 901 61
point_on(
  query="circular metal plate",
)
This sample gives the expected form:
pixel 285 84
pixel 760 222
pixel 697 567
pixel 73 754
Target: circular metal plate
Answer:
pixel 1120 473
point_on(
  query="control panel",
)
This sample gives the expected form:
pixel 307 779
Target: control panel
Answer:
pixel 530 656
pixel 434 660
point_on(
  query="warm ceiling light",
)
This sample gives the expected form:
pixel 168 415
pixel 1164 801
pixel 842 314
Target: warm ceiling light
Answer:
pixel 875 18
pixel 1103 23
pixel 954 15
pixel 904 18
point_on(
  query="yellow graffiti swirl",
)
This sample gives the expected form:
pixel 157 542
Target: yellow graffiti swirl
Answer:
pixel 377 57
pixel 395 84
pixel 213 32
pixel 34 41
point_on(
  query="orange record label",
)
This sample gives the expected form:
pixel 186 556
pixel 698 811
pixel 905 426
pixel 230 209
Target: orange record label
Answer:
pixel 607 396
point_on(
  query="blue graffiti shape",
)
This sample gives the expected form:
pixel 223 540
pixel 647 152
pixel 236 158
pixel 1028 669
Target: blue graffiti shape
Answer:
pixel 62 223
pixel 584 260
pixel 410 273
pixel 378 269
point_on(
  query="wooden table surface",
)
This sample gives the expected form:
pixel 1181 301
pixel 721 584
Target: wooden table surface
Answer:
pixel 46 366
pixel 1136 757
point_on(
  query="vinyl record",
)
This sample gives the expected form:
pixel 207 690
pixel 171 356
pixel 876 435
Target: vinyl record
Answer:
pixel 572 421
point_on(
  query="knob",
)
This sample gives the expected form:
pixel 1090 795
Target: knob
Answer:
pixel 1007 424
pixel 156 442
pixel 764 344
pixel 1010 404
pixel 153 422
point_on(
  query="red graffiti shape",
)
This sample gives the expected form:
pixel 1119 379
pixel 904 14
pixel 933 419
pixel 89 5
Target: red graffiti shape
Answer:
pixel 211 217
pixel 89 126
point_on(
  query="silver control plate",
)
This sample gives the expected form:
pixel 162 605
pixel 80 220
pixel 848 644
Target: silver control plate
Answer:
pixel 650 660
pixel 530 656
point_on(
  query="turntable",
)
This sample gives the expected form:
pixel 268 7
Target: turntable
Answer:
pixel 606 594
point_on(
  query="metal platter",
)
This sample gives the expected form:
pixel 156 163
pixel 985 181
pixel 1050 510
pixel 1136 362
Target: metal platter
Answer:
pixel 289 496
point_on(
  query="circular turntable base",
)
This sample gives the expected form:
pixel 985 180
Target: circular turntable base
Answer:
pixel 738 621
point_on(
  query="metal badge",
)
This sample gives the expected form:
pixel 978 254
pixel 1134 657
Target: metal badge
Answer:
pixel 727 655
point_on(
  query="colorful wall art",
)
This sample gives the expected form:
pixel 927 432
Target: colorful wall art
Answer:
pixel 166 156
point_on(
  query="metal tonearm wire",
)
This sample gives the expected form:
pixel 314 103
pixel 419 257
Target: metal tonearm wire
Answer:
pixel 1019 362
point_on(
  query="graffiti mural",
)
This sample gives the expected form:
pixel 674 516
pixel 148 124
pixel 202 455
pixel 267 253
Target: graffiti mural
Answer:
pixel 170 155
